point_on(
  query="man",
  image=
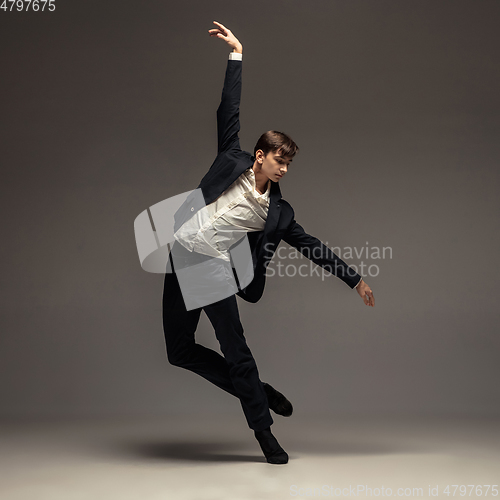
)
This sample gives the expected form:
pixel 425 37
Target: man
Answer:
pixel 242 198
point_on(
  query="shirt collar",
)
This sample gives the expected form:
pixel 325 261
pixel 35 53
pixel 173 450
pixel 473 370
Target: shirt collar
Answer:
pixel 251 175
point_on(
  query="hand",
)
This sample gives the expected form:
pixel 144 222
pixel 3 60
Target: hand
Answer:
pixel 225 34
pixel 366 293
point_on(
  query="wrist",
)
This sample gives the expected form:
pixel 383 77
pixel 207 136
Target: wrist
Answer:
pixel 238 49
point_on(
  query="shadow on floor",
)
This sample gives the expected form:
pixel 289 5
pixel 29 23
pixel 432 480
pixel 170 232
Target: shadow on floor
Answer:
pixel 191 451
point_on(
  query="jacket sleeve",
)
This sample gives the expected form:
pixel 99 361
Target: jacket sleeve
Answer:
pixel 320 254
pixel 228 112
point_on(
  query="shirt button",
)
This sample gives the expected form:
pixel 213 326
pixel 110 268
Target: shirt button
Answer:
pixel 192 209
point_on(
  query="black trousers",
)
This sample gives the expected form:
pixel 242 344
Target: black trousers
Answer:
pixel 236 372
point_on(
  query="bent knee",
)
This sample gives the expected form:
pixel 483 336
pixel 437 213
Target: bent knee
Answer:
pixel 175 359
pixel 179 357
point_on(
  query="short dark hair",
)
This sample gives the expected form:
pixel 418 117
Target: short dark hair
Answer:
pixel 274 141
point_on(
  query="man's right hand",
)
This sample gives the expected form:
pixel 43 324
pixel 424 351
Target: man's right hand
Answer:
pixel 366 293
pixel 225 34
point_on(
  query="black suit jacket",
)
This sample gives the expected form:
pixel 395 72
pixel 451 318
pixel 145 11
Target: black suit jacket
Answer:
pixel 229 164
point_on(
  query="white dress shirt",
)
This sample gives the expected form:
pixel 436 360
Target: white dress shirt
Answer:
pixel 213 229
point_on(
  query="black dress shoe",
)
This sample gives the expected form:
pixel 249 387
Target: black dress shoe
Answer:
pixel 277 402
pixel 269 445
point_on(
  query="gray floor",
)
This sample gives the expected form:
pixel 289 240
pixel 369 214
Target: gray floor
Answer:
pixel 211 457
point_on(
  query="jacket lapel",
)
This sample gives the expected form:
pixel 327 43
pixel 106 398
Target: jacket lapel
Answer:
pixel 273 213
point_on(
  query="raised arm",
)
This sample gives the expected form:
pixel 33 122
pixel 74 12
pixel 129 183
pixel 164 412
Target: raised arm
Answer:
pixel 228 112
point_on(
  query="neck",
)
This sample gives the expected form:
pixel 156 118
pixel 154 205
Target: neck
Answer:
pixel 261 180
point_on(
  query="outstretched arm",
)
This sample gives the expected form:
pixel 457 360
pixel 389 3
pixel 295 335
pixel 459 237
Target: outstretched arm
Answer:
pixel 228 112
pixel 315 250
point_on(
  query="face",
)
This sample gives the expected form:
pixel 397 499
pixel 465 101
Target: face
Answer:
pixel 273 165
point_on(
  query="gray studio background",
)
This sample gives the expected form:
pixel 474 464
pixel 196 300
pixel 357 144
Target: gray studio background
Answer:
pixel 110 107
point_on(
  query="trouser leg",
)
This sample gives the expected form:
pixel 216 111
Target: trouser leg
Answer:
pixel 243 371
pixel 179 328
pixel 236 372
